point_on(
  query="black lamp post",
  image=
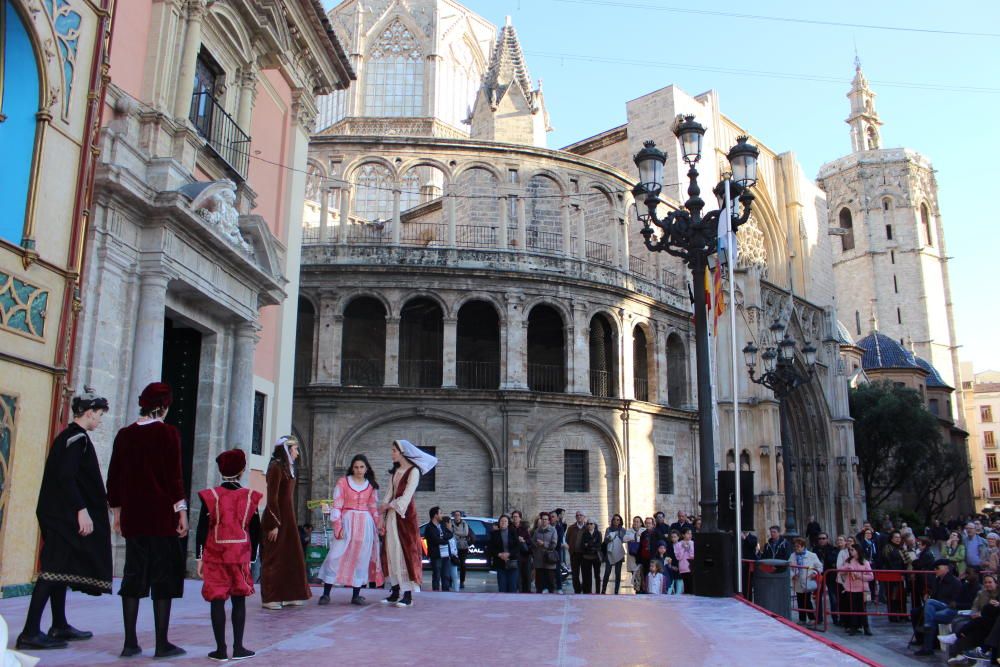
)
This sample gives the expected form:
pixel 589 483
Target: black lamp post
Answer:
pixel 782 378
pixel 688 234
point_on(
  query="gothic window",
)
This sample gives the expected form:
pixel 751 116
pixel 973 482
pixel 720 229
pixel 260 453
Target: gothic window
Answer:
pixel 373 193
pixel 846 224
pixel 676 371
pixel 394 84
pixel 872 138
pixel 603 358
pixel 463 77
pixel 925 222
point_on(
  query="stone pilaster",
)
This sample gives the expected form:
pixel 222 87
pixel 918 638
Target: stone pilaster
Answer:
pixel 147 357
pixel 240 426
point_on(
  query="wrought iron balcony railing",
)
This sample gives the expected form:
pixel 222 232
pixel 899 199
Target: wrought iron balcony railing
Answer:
pixel 226 138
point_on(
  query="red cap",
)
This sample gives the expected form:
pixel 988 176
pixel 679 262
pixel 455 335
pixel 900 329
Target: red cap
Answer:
pixel 156 395
pixel 231 462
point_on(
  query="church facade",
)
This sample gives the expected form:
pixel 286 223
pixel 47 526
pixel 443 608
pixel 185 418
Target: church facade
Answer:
pixel 471 290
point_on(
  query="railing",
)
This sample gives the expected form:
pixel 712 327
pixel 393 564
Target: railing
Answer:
pixel 600 383
pixel 221 132
pixel 545 240
pixel 310 234
pixel 673 281
pixel 478 374
pixel 512 236
pixel 475 236
pixel 368 233
pixel 420 373
pixel 547 377
pixel 641 386
pixel 423 233
pixel 599 252
pixel 362 372
pixel 640 266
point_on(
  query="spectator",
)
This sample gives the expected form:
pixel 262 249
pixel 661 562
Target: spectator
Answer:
pixel 520 527
pixel 464 537
pixel 870 545
pixel 647 548
pixel 892 559
pixel 992 561
pixel 696 526
pixel 776 547
pixel 672 570
pixel 842 556
pixel 813 530
pixel 682 523
pixel 437 548
pixel 806 565
pixel 940 606
pixel 545 554
pixel 305 535
pixel 655 582
pixel 984 613
pixel 875 538
pixel 503 550
pixel 954 551
pixel 560 526
pixel 854 578
pixel 975 546
pixel 574 542
pixel 923 564
pixel 684 553
pixel 451 567
pixel 827 554
pixel 970 589
pixel 748 553
pixel 614 552
pixel 668 565
pixel 632 536
pixel 590 558
pixel 939 534
pixel 662 527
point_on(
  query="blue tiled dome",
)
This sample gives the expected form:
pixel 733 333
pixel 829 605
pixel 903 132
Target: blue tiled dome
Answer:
pixel 843 334
pixel 933 377
pixel 880 351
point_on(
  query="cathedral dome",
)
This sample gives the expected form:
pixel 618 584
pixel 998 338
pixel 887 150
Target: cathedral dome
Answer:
pixel 880 351
pixel 933 377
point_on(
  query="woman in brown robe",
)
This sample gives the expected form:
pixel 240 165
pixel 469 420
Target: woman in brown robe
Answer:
pixel 283 572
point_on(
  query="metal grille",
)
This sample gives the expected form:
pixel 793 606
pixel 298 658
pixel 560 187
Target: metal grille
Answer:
pixel 221 132
pixel 641 386
pixel 599 252
pixel 576 477
pixel 478 374
pixel 546 377
pixel 665 475
pixel 362 372
pixel 600 383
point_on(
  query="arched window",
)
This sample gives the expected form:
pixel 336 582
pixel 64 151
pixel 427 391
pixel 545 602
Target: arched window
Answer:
pixel 546 350
pixel 362 358
pixel 745 460
pixel 640 364
pixel 421 344
pixel 925 222
pixel 676 372
pixel 847 224
pixel 394 79
pixel 304 342
pixel 478 346
pixel 373 193
pixel 603 358
pixel 18 105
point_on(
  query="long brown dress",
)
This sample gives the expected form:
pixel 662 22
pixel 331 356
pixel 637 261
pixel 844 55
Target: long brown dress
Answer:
pixel 283 571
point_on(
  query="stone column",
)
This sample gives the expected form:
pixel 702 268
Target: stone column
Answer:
pixel 516 375
pixel 328 347
pixel 450 217
pixel 240 428
pixel 660 354
pixel 147 353
pixel 522 225
pixel 567 229
pixel 626 250
pixel 324 215
pixel 502 232
pixel 627 355
pixel 579 350
pixel 397 222
pixel 189 58
pixel 345 214
pixel 392 352
pixel 450 353
pixel 581 232
pixel 248 94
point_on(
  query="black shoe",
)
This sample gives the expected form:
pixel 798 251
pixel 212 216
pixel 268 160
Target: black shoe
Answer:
pixel 407 600
pixel 242 653
pixel 39 642
pixel 868 632
pixel 169 651
pixel 323 599
pixel 360 601
pixel 852 631
pixel 393 597
pixel 69 634
pixel 130 651
pixel 924 651
pixel 218 656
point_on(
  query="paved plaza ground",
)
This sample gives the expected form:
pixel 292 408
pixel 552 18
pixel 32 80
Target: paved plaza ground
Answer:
pixel 480 630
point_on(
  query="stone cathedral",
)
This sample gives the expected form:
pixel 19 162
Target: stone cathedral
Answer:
pixel 467 288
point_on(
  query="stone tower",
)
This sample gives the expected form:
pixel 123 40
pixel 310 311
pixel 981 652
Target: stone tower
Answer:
pixel 890 262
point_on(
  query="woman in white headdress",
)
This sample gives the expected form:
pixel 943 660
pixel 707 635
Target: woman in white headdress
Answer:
pixel 283 572
pixel 402 552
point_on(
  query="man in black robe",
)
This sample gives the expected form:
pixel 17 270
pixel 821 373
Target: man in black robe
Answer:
pixel 76 533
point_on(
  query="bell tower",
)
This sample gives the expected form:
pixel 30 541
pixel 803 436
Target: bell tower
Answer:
pixel 864 120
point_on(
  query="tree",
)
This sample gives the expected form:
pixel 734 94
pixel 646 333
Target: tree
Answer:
pixel 900 449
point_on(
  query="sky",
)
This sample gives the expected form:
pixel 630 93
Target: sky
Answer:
pixel 786 82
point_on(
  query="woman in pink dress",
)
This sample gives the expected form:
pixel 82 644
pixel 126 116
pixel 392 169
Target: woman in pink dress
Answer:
pixel 353 559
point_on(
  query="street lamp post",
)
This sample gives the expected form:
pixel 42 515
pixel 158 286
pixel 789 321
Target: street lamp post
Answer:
pixel 782 378
pixel 692 236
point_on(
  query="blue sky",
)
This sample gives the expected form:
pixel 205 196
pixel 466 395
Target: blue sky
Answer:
pixel 938 93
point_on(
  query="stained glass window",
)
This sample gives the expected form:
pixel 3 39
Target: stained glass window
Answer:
pixel 394 84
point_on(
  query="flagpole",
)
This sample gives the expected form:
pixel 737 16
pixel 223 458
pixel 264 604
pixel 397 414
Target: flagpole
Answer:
pixel 732 256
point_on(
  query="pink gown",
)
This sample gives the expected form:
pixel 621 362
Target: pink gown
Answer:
pixel 353 560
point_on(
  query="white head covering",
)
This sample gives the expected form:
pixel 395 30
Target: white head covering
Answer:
pixel 418 457
pixel 9 658
pixel 283 441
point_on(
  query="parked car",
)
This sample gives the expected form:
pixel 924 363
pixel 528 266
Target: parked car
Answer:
pixel 481 527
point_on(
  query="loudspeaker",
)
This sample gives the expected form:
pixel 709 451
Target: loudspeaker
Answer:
pixel 727 500
pixel 714 565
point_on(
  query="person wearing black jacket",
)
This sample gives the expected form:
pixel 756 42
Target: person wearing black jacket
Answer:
pixel 827 554
pixel 504 551
pixel 434 534
pixel 941 604
pixel 777 547
pixel 924 565
pixel 892 559
pixel 748 552
pixel 590 555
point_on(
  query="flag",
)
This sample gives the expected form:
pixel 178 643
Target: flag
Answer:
pixel 720 298
pixel 708 291
pixel 727 245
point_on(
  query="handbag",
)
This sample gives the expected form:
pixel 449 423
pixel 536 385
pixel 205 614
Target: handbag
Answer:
pixel 550 557
pixel 633 548
pixel 811 585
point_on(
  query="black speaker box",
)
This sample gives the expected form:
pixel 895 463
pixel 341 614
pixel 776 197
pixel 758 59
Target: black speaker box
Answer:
pixel 727 500
pixel 714 566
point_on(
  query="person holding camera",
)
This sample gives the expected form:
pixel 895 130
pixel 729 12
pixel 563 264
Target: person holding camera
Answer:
pixel 504 550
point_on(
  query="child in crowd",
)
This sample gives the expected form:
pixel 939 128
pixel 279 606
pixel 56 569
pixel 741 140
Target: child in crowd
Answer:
pixel 664 556
pixel 676 583
pixel 227 540
pixel 655 580
pixel 684 552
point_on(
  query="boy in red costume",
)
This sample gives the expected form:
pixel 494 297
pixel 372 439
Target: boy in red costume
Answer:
pixel 226 544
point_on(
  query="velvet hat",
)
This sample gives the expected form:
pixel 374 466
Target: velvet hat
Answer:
pixel 231 462
pixel 156 395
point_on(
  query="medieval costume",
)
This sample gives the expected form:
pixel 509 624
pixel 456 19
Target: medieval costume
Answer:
pixel 146 493
pixel 353 559
pixel 226 544
pixel 402 550
pixel 283 575
pixel 74 554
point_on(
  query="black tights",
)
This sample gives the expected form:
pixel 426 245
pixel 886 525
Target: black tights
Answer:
pixel 329 587
pixel 219 622
pixel 161 622
pixel 46 591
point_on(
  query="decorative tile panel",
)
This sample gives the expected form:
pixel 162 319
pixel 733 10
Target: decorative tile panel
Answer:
pixel 65 23
pixel 22 306
pixel 8 406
